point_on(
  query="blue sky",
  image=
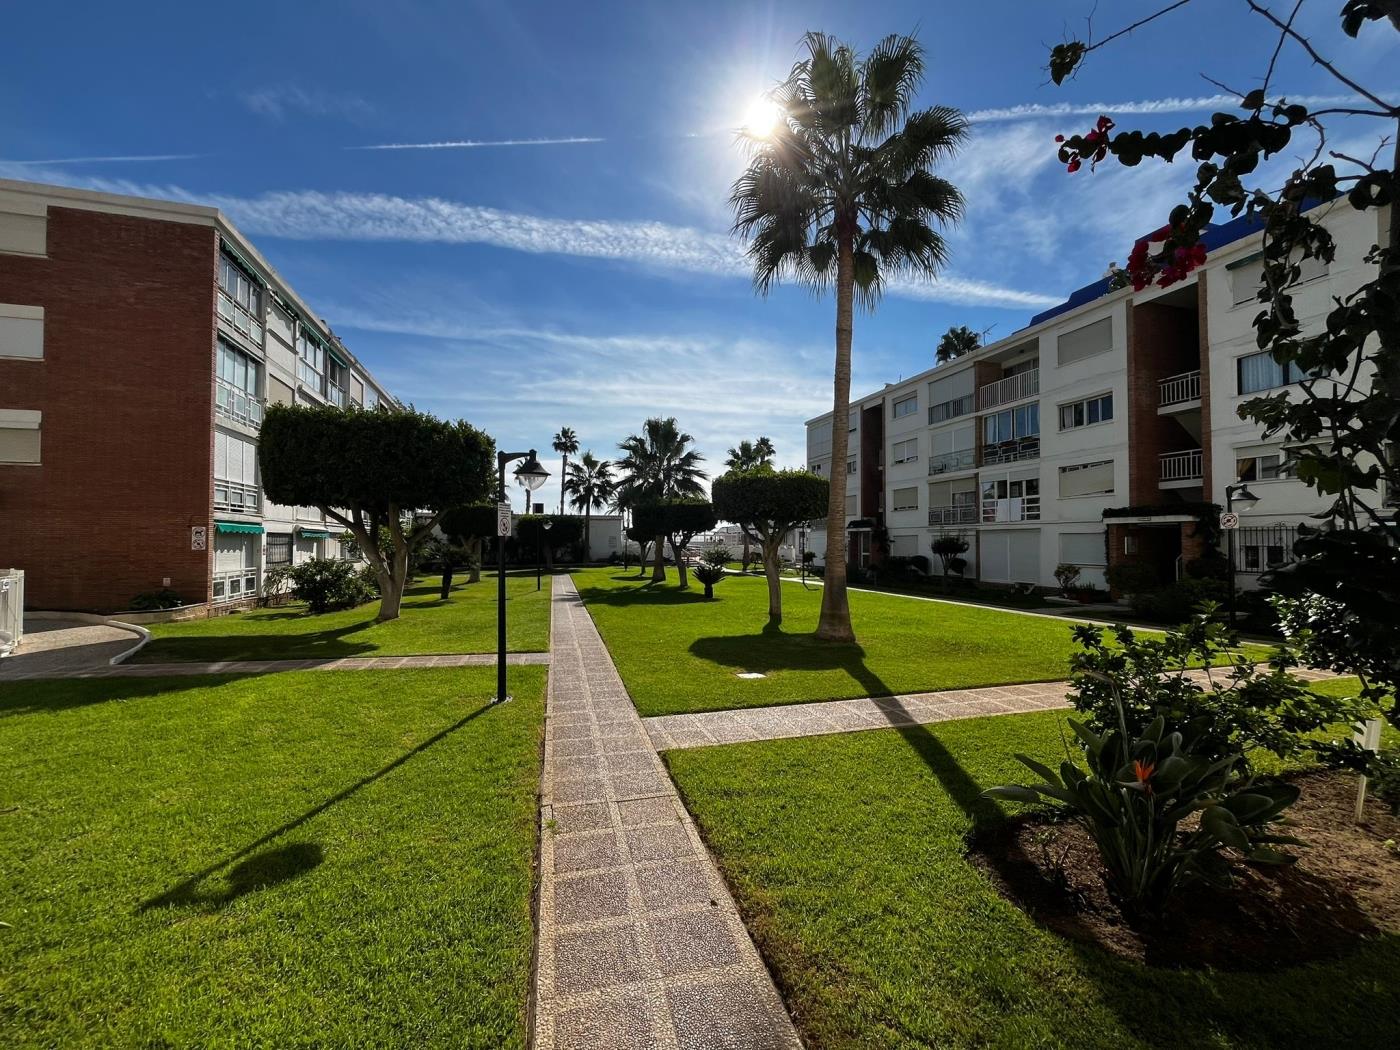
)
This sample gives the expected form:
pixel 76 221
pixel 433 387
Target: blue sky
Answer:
pixel 593 283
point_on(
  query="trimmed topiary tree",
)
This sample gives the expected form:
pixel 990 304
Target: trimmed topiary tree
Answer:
pixel 678 521
pixel 470 527
pixel 767 505
pixel 393 470
pixel 564 531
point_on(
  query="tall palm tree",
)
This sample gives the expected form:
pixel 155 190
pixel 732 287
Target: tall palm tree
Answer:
pixel 842 193
pixel 566 444
pixel 958 341
pixel 750 455
pixel 658 464
pixel 590 485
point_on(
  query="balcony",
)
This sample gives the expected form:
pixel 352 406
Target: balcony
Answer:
pixel 237 405
pixel 335 395
pixel 1180 469
pixel 1011 451
pixel 239 318
pixel 959 406
pixel 964 459
pixel 956 514
pixel 1179 390
pixel 1012 388
pixel 236 498
pixel 1018 508
pixel 231 585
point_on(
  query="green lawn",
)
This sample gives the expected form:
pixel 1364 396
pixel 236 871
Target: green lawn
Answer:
pixel 465 623
pixel 846 856
pixel 677 652
pixel 296 860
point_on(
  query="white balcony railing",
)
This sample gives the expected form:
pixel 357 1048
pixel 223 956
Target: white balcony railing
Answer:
pixel 235 497
pixel 964 459
pixel 237 405
pixel 233 584
pixel 1012 388
pixel 1011 451
pixel 1176 390
pixel 958 406
pixel 1017 508
pixel 335 395
pixel 1181 466
pixel 240 318
pixel 956 514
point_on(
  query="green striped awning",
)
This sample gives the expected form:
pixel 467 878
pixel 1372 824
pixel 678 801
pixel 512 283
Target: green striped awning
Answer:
pixel 314 534
pixel 336 356
pixel 242 261
pixel 238 526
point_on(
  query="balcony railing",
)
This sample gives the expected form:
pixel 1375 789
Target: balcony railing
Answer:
pixel 233 584
pixel 236 497
pixel 958 406
pixel 1017 508
pixel 955 514
pixel 1011 451
pixel 1012 388
pixel 335 395
pixel 237 405
pixel 964 459
pixel 240 318
pixel 1176 390
pixel 1181 466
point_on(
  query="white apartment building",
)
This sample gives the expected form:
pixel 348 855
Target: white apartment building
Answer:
pixel 1099 433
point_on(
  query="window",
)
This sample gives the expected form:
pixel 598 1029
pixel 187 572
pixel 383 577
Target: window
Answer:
pixel 816 468
pixel 1011 424
pixel 904 546
pixel 237 392
pixel 279 548
pixel 1086 479
pixel 1011 499
pixel 240 303
pixel 371 398
pixel 1247 277
pixel 851 505
pixel 311 362
pixel 1261 372
pixel 906 451
pixel 906 406
pixel 1256 557
pixel 1262 467
pixel 958 406
pixel 906 499
pixel 19 435
pixel 850 466
pixel 1087 412
pixel 22 332
pixel 1092 339
pixel 337 376
pixel 235 474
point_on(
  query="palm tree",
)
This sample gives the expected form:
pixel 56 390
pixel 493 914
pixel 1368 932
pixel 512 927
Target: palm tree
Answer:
pixel 841 192
pixel 590 485
pixel 750 455
pixel 566 444
pixel 958 341
pixel 657 464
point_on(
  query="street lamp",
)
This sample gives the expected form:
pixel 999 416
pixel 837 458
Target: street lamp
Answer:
pixel 545 526
pixel 1237 493
pixel 531 475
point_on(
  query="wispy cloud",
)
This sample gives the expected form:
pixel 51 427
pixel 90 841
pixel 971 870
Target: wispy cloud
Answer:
pixel 280 101
pixel 1140 107
pixel 481 143
pixel 126 159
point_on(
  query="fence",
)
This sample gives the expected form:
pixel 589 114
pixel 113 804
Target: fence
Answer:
pixel 1259 548
pixel 11 609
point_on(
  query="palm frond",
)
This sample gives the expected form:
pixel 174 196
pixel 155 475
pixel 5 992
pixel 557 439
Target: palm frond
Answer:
pixel 889 78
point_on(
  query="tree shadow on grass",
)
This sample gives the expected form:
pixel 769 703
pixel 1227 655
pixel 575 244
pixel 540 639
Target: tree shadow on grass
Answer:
pixel 261 871
pixel 46 696
pixel 188 891
pixel 315 645
pixel 647 593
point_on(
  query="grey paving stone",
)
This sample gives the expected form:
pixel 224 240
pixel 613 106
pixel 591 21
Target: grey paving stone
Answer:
pixel 580 746
pixel 598 849
pixel 583 789
pixel 589 898
pixel 590 959
pixel 676 884
pixel 623 1022
pixel 639 785
pixel 659 842
pixel 692 942
pixel 660 809
pixel 573 732
pixel 570 820
pixel 731 1015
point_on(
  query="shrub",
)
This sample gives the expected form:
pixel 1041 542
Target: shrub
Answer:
pixel 1177 602
pixel 1067 575
pixel 326 584
pixel 1138 789
pixel 1210 566
pixel 164 598
pixel 907 568
pixel 277 583
pixel 710 573
pixel 718 554
pixel 1132 578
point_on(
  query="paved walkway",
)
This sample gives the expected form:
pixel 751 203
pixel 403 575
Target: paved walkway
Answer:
pixel 640 944
pixel 344 663
pixel 669 732
pixel 51 647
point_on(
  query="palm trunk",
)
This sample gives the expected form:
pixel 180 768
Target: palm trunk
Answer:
pixel 587 523
pixel 774 574
pixel 658 569
pixel 563 481
pixel 835 622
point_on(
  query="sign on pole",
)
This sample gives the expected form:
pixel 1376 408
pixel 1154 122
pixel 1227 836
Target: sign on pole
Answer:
pixel 199 537
pixel 502 519
pixel 1229 520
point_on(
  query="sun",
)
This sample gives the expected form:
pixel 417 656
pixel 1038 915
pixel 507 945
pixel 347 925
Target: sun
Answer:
pixel 762 117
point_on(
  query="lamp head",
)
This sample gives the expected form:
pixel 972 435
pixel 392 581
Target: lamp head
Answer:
pixel 1241 496
pixel 531 473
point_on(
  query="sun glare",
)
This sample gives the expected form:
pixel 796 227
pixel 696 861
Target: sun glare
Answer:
pixel 762 117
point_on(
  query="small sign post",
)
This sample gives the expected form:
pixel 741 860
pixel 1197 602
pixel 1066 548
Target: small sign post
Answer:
pixel 503 519
pixel 1229 520
pixel 199 537
pixel 1369 737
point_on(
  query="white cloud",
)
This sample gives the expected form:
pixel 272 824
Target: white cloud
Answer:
pixel 1140 107
pixel 479 143
pixel 281 101
pixel 131 158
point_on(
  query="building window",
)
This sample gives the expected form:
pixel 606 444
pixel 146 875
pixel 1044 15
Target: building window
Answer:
pixel 851 505
pixel 22 332
pixel 235 474
pixel 906 451
pixel 850 466
pixel 958 406
pixel 1086 479
pixel 237 392
pixel 1011 424
pixel 1261 372
pixel 1089 341
pixel 337 376
pixel 1087 412
pixel 311 362
pixel 1262 467
pixel 279 548
pixel 906 406
pixel 371 398
pixel 20 435
pixel 240 299
pixel 906 499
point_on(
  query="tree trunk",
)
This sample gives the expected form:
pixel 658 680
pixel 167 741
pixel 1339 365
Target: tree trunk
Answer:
pixel 477 550
pixel 835 622
pixel 446 580
pixel 745 564
pixel 679 555
pixel 773 571
pixel 658 569
pixel 391 584
pixel 642 547
pixel 563 481
pixel 709 592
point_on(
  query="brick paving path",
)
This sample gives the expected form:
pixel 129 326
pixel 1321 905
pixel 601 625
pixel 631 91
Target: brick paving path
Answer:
pixel 344 663
pixel 640 944
pixel 845 716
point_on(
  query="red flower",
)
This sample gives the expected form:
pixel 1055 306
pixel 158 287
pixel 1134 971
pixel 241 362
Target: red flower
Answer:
pixel 1143 772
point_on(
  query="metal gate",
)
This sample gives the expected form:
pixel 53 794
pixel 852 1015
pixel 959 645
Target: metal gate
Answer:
pixel 1259 548
pixel 11 609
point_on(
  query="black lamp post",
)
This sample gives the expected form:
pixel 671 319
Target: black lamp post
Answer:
pixel 1237 493
pixel 545 526
pixel 532 476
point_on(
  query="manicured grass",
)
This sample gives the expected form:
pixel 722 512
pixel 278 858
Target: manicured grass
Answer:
pixel 295 860
pixel 677 652
pixel 846 854
pixel 465 623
